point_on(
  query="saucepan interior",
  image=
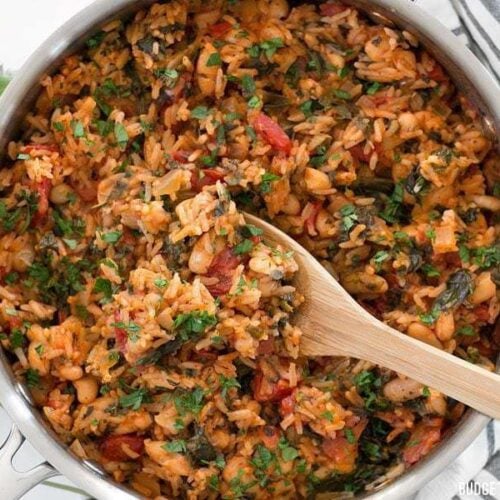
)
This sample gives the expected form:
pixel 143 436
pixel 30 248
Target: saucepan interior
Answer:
pixel 17 100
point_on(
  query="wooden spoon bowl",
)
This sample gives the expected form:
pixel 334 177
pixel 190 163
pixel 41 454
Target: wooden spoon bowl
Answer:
pixel 334 324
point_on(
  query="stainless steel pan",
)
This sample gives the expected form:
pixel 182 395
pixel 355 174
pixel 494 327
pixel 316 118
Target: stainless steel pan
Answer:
pixel 16 101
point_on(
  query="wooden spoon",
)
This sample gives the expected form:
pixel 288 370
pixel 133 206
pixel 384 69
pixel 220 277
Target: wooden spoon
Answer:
pixel 334 324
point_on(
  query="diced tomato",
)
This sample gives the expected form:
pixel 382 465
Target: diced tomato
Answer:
pixel 3 273
pixel 221 267
pixel 112 447
pixel 310 214
pixel 14 322
pixel 219 29
pixel 451 258
pixel 54 403
pixel 272 133
pixel 359 154
pixel 120 334
pixel 482 312
pixel 208 177
pixel 87 192
pixel 332 9
pixel 437 73
pixel 181 156
pixel 265 390
pixel 422 439
pixel 287 405
pixel 43 189
pixel 342 453
pixel 30 148
pixel 270 436
pixel 266 347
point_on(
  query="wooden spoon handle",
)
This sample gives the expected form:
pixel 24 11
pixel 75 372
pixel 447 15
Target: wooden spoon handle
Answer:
pixel 455 377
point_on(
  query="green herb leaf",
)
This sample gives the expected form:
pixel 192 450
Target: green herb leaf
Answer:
pixel 175 446
pixel 244 247
pixel 32 378
pixel 349 217
pixel 17 338
pixel 189 402
pixel 349 434
pixel 254 102
pixel 121 135
pixel 266 179
pixel 200 112
pixel 214 59
pixel 466 331
pixel 250 230
pixel 342 94
pixel 379 258
pixel 161 282
pixel 78 129
pixel 227 383
pixel 135 399
pixel 103 285
pixel 111 237
pixel 269 47
pixel 192 325
pixel 248 86
pixel 430 271
pixel 374 88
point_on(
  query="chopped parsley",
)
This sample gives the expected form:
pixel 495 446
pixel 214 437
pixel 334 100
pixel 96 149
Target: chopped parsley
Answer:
pixel 121 135
pixel 189 401
pixel 214 59
pixel 200 112
pixel 349 435
pixel 111 237
pixel 17 338
pixel 175 446
pixel 169 76
pixel 161 282
pixel 32 378
pixel 191 325
pixel 373 88
pixel 349 217
pixel 430 271
pixel 466 331
pixel 250 230
pixel 267 47
pixel 227 383
pixel 244 247
pixel 254 102
pixel 266 180
pixel 379 258
pixel 288 452
pixel 104 286
pixel 78 129
pixel 393 211
pixel 135 399
pixel 342 94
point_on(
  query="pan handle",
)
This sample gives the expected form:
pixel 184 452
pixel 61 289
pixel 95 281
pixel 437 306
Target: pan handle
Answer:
pixel 15 484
